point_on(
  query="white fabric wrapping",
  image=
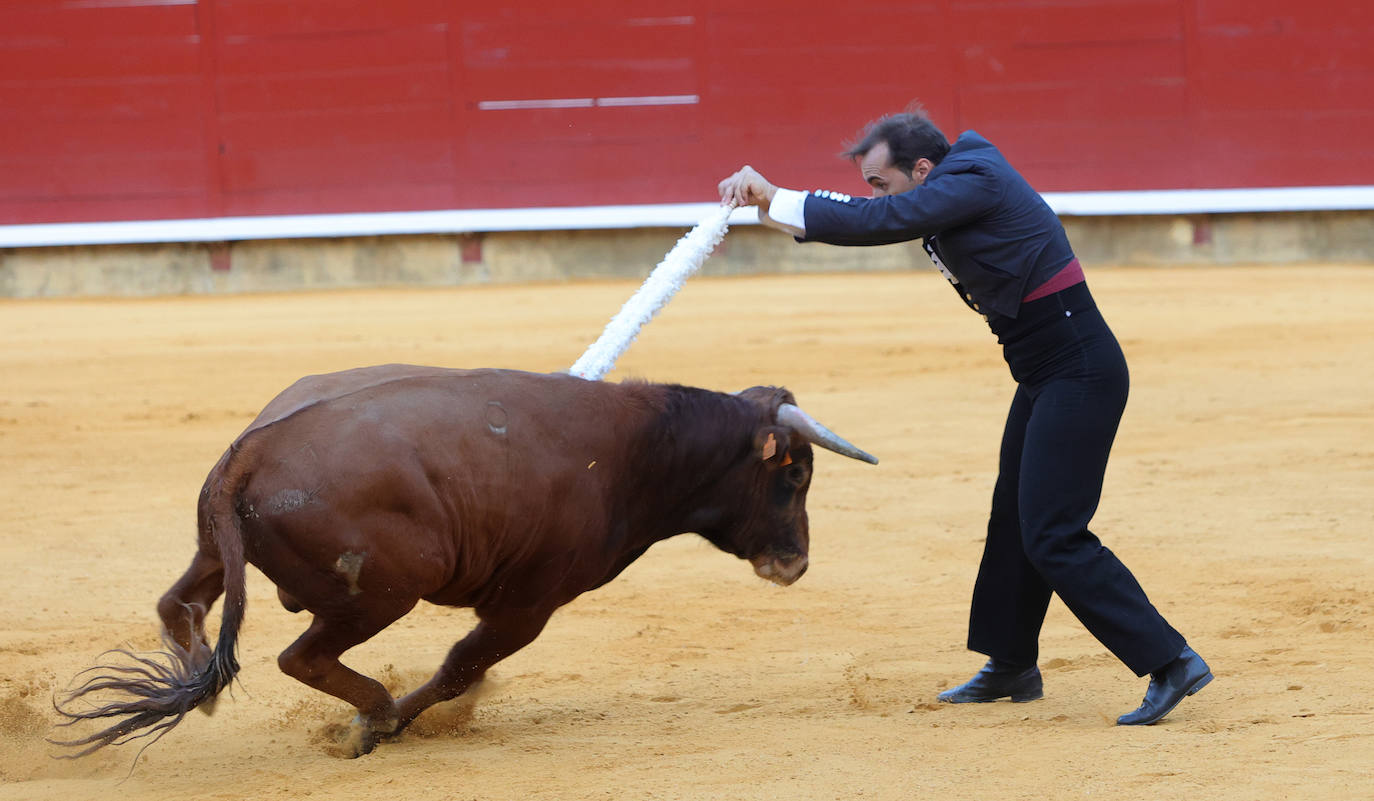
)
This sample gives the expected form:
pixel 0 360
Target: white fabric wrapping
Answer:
pixel 663 282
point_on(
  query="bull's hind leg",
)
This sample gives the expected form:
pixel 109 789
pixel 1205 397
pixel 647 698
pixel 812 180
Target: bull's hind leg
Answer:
pixel 184 606
pixel 313 659
pixel 496 637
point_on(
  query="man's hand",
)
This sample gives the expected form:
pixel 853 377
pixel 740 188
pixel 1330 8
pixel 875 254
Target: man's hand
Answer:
pixel 747 188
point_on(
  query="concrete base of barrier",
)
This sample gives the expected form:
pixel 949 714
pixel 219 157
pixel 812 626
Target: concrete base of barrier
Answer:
pixel 510 257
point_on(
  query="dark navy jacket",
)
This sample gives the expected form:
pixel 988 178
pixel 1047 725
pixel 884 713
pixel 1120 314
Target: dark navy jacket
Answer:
pixel 992 235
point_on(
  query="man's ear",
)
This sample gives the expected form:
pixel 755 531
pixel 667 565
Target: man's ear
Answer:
pixel 921 169
pixel 772 445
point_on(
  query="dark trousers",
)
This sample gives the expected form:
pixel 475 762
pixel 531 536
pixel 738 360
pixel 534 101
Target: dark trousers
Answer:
pixel 1071 390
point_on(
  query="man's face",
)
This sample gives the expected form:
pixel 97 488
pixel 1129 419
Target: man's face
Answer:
pixel 884 178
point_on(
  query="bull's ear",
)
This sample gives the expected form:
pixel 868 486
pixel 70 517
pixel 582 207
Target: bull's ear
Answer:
pixel 773 444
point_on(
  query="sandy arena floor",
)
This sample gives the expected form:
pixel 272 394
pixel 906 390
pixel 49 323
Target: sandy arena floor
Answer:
pixel 1241 493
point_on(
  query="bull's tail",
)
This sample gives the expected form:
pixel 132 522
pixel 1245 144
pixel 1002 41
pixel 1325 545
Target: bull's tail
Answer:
pixel 153 694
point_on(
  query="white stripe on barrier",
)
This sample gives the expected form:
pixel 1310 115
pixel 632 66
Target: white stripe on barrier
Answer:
pixel 588 102
pixel 553 102
pixel 306 226
pixel 1212 201
pixel 649 100
pixel 666 215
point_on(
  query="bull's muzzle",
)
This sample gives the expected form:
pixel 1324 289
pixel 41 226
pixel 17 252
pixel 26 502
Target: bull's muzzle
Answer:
pixel 781 570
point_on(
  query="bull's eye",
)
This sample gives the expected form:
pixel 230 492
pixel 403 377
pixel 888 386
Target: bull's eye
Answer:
pixel 795 475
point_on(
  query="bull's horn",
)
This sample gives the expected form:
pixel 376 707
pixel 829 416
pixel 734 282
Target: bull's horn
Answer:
pixel 817 434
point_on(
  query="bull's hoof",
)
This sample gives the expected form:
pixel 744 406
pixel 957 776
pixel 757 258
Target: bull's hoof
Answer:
pixel 361 736
pixel 359 740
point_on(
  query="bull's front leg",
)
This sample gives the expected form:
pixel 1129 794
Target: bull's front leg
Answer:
pixel 497 636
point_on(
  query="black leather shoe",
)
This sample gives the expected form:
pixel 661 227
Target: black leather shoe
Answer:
pixel 1170 684
pixel 998 680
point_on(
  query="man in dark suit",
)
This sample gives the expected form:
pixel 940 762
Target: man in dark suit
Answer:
pixel 1006 254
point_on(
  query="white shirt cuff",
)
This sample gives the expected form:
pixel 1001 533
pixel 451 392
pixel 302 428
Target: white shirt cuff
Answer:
pixel 789 207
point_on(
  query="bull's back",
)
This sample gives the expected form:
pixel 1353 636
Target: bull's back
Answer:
pixel 322 388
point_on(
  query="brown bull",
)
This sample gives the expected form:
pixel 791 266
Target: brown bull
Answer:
pixel 364 492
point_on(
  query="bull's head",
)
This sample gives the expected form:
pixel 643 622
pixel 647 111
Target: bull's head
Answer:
pixel 769 526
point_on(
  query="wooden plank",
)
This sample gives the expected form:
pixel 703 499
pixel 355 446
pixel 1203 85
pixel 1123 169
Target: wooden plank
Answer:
pixel 114 139
pixel 426 85
pixel 1012 63
pixel 96 174
pixel 285 18
pixel 336 54
pixel 105 60
pixel 69 208
pixel 351 166
pixel 343 199
pixel 1074 100
pixel 75 101
pixel 1067 22
pixel 70 23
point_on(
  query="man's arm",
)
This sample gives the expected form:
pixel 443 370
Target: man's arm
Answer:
pixel 839 219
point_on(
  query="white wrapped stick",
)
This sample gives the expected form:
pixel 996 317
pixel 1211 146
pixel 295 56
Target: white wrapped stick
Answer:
pixel 663 282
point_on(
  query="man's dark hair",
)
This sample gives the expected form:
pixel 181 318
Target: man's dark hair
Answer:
pixel 909 135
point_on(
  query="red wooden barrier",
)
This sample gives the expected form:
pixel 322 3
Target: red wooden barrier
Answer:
pixel 151 109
